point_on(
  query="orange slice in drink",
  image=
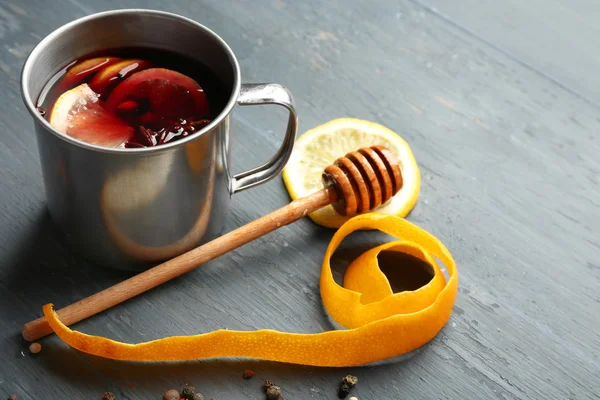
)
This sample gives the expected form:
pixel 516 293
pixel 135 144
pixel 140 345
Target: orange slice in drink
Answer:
pixel 107 78
pixel 157 94
pixel 81 71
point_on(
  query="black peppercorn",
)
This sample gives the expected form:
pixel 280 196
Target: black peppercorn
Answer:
pixel 273 392
pixel 344 391
pixel 108 396
pixel 350 380
pixel 267 385
pixel 188 392
pixel 171 395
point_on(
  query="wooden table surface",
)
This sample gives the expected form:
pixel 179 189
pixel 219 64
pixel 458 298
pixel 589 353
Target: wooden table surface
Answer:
pixel 500 104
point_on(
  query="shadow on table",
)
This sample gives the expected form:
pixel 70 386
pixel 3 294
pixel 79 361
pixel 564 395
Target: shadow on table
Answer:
pixel 40 267
pixel 216 378
pixel 42 257
pixel 404 272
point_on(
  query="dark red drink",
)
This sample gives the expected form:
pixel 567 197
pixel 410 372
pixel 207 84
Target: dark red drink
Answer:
pixel 132 98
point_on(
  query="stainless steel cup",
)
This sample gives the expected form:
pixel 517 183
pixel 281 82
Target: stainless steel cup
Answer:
pixel 131 207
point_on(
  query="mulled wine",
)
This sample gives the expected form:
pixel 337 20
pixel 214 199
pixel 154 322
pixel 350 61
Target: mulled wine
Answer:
pixel 132 98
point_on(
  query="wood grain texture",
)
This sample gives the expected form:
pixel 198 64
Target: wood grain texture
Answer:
pixel 510 183
pixel 554 38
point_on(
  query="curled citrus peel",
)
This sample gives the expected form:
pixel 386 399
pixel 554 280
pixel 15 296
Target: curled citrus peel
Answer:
pixel 380 324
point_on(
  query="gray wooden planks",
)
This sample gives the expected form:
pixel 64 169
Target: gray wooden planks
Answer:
pixel 510 184
pixel 555 38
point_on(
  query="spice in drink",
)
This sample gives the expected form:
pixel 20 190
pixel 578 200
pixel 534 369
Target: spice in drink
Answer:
pixel 248 374
pixel 108 396
pixel 103 99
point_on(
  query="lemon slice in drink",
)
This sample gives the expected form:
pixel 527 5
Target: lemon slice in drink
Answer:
pixel 321 146
pixel 78 113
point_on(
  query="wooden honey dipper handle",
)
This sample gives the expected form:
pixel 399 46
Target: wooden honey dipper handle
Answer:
pixel 358 182
pixel 179 265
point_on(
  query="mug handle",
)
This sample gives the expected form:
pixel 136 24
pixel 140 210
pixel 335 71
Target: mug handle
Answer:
pixel 267 93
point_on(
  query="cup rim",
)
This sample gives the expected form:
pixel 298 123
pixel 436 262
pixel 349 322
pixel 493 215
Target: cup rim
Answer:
pixel 31 107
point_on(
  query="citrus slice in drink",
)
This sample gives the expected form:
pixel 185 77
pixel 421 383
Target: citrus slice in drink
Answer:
pixel 79 114
pixel 108 77
pixel 151 96
pixel 321 146
pixel 80 71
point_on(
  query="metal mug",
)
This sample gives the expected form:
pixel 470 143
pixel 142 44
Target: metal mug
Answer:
pixel 131 207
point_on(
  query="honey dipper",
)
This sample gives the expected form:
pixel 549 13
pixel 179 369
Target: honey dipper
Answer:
pixel 355 183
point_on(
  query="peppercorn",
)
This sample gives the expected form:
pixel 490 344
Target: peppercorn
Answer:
pixel 12 397
pixel 35 348
pixel 248 374
pixel 171 395
pixel 273 392
pixel 267 385
pixel 198 396
pixel 188 392
pixel 344 391
pixel 350 380
pixel 108 396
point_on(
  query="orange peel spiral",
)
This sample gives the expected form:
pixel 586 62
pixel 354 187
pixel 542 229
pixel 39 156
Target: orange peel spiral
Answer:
pixel 379 324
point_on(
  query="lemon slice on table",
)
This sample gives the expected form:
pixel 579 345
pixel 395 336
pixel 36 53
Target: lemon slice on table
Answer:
pixel 322 145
